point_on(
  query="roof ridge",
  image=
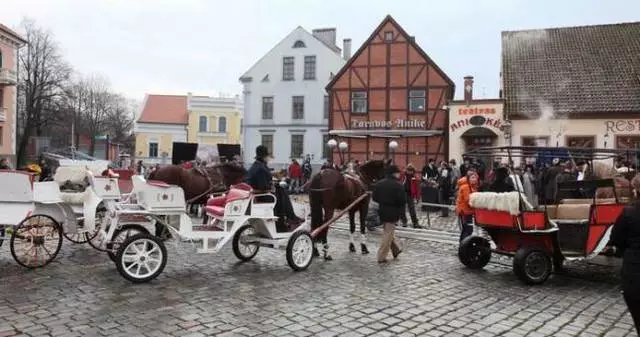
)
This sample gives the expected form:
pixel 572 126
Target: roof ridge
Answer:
pixel 572 27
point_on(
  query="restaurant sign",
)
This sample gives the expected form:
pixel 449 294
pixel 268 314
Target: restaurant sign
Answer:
pixel 476 121
pixel 623 126
pixel 397 124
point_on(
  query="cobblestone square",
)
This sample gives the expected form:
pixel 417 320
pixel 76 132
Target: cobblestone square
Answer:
pixel 425 293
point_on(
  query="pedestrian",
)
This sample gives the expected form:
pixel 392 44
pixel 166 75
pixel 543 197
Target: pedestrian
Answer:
pixel 501 182
pixel 444 185
pixel 466 165
pixel 391 198
pixel 466 186
pixel 408 179
pixel 529 185
pixel 625 236
pixel 140 168
pixel 4 164
pixel 295 173
pixel 430 171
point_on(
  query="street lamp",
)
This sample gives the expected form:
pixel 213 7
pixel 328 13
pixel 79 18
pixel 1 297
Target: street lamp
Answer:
pixel 392 146
pixel 343 146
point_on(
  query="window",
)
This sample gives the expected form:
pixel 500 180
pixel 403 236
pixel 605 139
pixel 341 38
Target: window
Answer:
pixel 299 44
pixel 417 100
pixel 153 150
pixel 298 107
pixel 388 36
pixel 1 136
pixel 267 107
pixel 581 141
pixel 222 124
pixel 267 140
pixel 297 146
pixel 326 107
pixel 326 151
pixel 202 124
pixel 310 67
pixel 535 141
pixel 359 101
pixel 287 68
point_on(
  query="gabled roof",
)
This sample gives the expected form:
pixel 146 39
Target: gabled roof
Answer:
pixel 334 49
pixel 165 109
pixel 412 42
pixel 11 33
pixel 572 71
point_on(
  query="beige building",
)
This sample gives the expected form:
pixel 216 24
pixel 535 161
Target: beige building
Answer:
pixel 214 120
pixel 10 43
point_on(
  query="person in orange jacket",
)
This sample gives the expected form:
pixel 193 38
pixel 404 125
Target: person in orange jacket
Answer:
pixel 466 186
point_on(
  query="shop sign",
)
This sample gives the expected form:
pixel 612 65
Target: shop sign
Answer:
pixel 476 121
pixel 398 124
pixel 476 111
pixel 623 126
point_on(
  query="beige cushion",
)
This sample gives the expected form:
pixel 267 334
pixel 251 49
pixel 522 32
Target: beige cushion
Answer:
pixel 588 201
pixel 572 212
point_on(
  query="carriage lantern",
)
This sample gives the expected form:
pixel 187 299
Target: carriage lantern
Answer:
pixel 393 145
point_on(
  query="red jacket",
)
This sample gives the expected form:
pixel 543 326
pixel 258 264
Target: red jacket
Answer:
pixel 295 171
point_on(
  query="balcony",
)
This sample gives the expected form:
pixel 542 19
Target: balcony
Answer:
pixel 8 76
pixel 3 114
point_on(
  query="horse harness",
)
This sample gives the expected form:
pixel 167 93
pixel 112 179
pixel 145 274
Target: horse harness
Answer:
pixel 209 190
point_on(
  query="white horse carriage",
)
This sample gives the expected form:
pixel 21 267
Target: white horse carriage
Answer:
pixel 240 216
pixel 34 218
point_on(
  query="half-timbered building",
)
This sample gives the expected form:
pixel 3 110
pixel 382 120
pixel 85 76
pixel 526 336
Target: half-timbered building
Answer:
pixel 390 92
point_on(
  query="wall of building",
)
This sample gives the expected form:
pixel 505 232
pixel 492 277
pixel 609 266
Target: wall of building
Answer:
pixel 162 134
pixel 463 117
pixel 213 108
pixel 282 126
pixel 9 92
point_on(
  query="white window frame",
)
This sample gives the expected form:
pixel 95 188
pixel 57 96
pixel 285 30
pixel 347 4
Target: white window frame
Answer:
pixel 360 97
pixel 419 96
pixel 288 75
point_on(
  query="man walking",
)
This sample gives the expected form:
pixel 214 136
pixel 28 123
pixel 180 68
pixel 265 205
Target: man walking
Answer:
pixel 391 198
pixel 409 177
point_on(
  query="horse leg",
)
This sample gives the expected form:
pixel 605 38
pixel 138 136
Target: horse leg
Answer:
pixel 363 228
pixel 324 234
pixel 352 229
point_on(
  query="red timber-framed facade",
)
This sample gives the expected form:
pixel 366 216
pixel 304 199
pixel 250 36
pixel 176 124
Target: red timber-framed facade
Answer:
pixel 390 90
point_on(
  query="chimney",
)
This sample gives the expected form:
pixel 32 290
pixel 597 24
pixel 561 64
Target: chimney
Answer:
pixel 468 89
pixel 346 49
pixel 326 35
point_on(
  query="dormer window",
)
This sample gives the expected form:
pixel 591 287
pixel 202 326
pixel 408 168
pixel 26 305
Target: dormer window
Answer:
pixel 299 44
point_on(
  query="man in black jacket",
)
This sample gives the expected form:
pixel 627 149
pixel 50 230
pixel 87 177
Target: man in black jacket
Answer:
pixel 391 198
pixel 260 179
pixel 430 171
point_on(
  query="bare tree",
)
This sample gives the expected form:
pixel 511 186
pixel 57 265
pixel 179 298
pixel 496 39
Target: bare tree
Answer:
pixel 44 74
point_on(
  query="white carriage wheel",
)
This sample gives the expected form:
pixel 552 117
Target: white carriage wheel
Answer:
pixel 119 236
pixel 300 250
pixel 36 241
pixel 84 237
pixel 243 250
pixel 141 258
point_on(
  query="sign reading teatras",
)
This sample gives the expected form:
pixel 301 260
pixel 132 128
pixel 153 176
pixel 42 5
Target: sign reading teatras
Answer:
pixel 398 123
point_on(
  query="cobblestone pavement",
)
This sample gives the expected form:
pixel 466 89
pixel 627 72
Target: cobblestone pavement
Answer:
pixel 424 293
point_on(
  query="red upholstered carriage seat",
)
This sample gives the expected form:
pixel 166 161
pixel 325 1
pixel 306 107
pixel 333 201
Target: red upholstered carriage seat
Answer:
pixel 158 183
pixel 215 206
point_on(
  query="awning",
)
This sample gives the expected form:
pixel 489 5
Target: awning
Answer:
pixel 385 133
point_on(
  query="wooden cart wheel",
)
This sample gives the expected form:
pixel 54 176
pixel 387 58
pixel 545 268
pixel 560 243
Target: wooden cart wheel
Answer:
pixel 474 252
pixel 532 265
pixel 244 246
pixel 300 250
pixel 120 235
pixel 141 258
pixel 36 241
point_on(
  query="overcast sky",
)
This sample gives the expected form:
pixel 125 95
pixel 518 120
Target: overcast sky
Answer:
pixel 203 46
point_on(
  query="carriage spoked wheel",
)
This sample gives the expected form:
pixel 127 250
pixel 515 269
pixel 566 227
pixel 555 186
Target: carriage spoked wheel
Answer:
pixel 474 252
pixel 300 250
pixel 141 258
pixel 119 236
pixel 85 237
pixel 532 265
pixel 245 245
pixel 36 241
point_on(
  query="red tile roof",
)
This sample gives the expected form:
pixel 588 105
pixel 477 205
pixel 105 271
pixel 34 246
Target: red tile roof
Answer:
pixel 164 109
pixel 11 33
pixel 573 70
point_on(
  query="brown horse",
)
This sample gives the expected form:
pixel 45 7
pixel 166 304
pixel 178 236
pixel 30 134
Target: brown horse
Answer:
pixel 332 190
pixel 623 185
pixel 199 183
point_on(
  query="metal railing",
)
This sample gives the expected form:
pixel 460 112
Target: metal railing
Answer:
pixel 8 76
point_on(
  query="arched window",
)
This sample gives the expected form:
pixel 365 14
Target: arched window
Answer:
pixel 202 127
pixel 222 124
pixel 299 44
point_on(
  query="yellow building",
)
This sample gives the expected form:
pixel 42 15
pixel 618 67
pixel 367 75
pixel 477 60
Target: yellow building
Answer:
pixel 162 122
pixel 214 120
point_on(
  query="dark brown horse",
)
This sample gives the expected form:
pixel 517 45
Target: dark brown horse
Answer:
pixel 332 190
pixel 199 183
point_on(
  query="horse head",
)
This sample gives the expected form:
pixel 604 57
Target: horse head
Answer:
pixel 373 170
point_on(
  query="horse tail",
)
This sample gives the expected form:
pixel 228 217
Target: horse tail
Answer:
pixel 316 201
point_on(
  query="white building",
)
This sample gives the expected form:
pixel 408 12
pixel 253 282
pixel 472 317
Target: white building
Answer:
pixel 285 102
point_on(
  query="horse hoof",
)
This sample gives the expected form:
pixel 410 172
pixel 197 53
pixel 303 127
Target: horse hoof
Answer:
pixel 364 249
pixel 352 248
pixel 316 253
pixel 328 258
